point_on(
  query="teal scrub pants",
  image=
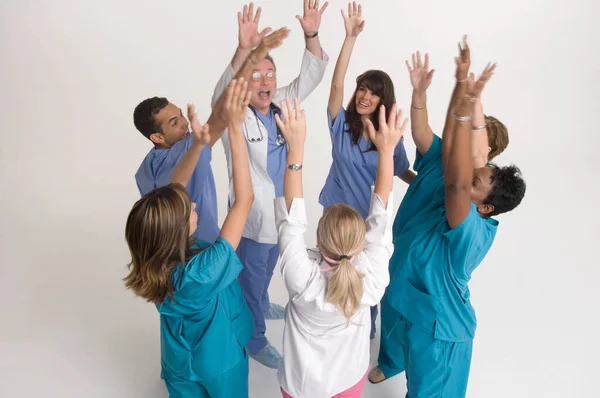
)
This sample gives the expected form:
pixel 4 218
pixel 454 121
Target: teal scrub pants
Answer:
pixel 229 384
pixel 434 368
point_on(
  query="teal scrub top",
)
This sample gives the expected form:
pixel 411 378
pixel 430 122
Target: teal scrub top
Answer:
pixel 206 326
pixel 432 263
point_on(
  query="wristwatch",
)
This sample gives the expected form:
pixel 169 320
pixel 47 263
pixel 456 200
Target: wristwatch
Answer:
pixel 295 167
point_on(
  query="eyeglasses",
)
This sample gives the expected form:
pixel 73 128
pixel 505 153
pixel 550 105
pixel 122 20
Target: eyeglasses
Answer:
pixel 256 76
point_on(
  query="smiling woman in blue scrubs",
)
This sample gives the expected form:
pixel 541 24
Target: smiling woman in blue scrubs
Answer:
pixel 205 323
pixel 355 158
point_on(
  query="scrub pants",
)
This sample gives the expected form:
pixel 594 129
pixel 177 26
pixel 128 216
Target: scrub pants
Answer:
pixel 259 260
pixel 434 368
pixel 231 383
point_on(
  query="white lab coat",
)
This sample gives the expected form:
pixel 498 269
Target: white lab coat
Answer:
pixel 322 355
pixel 260 226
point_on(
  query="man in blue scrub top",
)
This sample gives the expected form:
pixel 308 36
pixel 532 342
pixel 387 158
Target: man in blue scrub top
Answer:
pixel 164 124
pixel 267 153
pixel 444 230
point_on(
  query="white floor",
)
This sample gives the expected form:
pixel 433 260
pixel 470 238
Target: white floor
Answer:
pixel 92 339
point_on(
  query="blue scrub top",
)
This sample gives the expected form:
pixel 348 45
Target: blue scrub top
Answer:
pixel 157 169
pixel 353 170
pixel 207 324
pixel 432 263
pixel 277 153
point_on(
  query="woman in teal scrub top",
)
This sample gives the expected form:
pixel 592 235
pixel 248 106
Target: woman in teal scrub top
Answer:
pixel 204 320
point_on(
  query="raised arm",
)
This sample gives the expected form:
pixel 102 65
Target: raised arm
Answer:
pixel 458 174
pixel 314 60
pixel 186 166
pixel 386 139
pixel 420 78
pixel 293 128
pixel 353 24
pixel 463 62
pixel 479 135
pixel 290 212
pixel 237 100
pixel 310 22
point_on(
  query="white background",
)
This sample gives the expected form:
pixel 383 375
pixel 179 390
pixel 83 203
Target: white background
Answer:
pixel 71 73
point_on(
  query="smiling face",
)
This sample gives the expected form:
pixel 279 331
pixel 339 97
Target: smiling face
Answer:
pixel 263 85
pixel 172 126
pixel 366 102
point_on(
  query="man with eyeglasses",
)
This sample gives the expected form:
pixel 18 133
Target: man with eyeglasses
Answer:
pixel 267 152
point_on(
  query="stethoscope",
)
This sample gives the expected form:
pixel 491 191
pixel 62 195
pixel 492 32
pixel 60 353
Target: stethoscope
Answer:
pixel 280 139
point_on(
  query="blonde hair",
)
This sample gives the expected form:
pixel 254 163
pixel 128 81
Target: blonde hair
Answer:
pixel 341 234
pixel 497 136
pixel 157 233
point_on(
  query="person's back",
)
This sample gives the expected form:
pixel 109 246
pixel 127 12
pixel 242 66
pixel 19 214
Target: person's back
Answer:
pixel 331 290
pixel 206 318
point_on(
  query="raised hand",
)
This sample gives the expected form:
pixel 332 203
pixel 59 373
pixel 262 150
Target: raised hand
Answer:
pixel 485 77
pixel 311 20
pixel 248 36
pixel 463 61
pixel 390 131
pixel 475 87
pixel 353 23
pixel 270 42
pixel 293 125
pixel 237 99
pixel 420 75
pixel 201 133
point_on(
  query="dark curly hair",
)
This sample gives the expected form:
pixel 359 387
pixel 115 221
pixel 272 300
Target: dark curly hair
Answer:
pixel 508 189
pixel 143 115
pixel 381 85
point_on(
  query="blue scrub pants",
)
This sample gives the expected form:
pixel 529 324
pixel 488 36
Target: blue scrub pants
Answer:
pixel 434 368
pixel 259 260
pixel 231 383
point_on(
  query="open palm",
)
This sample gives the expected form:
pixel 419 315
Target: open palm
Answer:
pixel 201 133
pixel 353 23
pixel 420 75
pixel 248 36
pixel 311 20
pixel 475 87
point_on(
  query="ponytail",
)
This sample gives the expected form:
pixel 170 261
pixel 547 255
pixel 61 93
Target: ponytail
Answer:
pixel 341 235
pixel 345 289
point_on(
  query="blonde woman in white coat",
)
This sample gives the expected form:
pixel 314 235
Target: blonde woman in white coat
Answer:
pixel 327 320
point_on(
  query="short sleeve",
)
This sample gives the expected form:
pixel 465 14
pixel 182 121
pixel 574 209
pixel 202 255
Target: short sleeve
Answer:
pixel 177 151
pixel 469 242
pixel 215 268
pixel 338 125
pixel 401 162
pixel 431 157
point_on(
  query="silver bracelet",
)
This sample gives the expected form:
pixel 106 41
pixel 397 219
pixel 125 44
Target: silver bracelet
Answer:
pixel 418 108
pixel 250 58
pixel 479 127
pixel 461 118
